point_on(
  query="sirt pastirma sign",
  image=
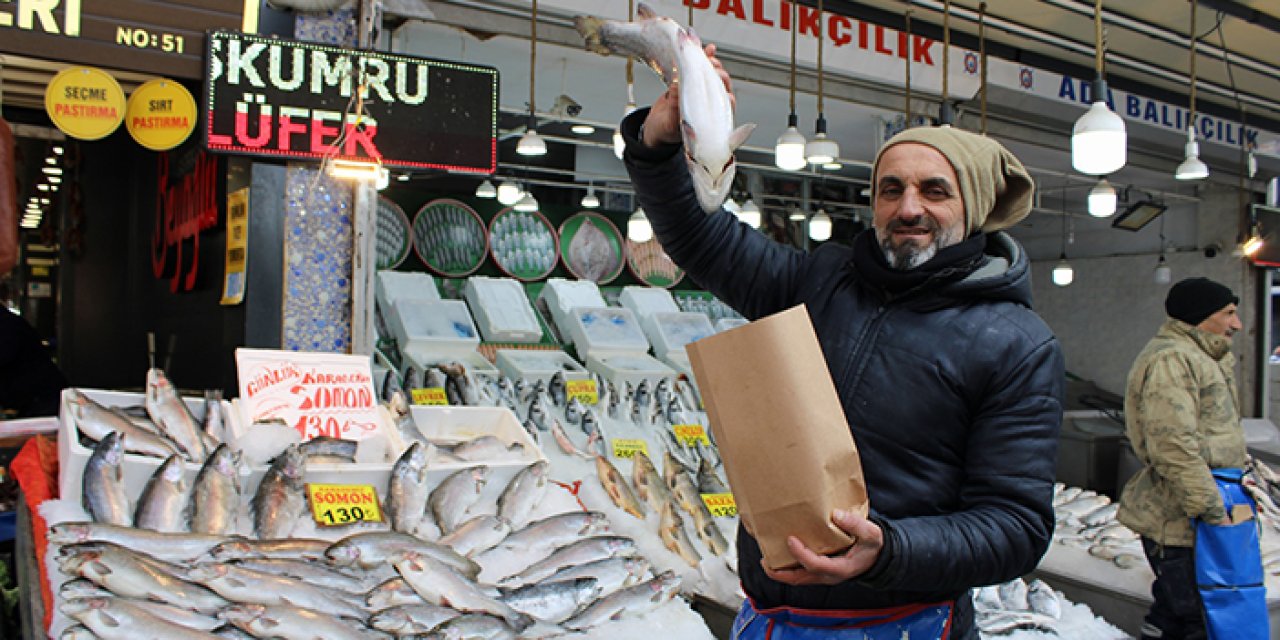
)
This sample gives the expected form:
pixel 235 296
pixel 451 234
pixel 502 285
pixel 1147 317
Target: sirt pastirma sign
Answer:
pixel 288 99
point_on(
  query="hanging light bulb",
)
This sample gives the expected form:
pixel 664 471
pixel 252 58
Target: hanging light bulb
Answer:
pixel 1163 274
pixel 796 215
pixel 1102 199
pixel 788 153
pixel 750 214
pixel 486 190
pixel 1099 142
pixel 528 203
pixel 590 201
pixel 820 226
pixel 620 145
pixel 821 149
pixel 531 144
pixel 509 192
pixel 383 180
pixel 582 129
pixel 1192 168
pixel 638 227
pixel 1063 274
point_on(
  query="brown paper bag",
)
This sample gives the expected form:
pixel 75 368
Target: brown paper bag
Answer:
pixel 781 432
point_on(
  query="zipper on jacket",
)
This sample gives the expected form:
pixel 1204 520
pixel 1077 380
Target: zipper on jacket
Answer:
pixel 866 338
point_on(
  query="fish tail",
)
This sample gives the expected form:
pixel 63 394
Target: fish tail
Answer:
pixel 589 27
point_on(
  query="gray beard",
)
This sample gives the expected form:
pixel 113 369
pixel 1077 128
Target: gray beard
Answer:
pixel 908 256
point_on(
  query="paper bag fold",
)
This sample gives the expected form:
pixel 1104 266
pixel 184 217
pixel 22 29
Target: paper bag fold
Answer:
pixel 781 431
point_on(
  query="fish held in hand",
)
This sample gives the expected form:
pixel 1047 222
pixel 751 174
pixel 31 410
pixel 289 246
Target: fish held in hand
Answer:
pixel 706 111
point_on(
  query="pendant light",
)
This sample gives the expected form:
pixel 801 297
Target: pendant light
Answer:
pixel 638 227
pixel 821 149
pixel 509 192
pixel 946 113
pixel 750 213
pixel 619 145
pixel 1192 168
pixel 1063 274
pixel 788 153
pixel 1098 141
pixel 1163 274
pixel 527 203
pixel 486 190
pixel 820 226
pixel 532 144
pixel 590 201
pixel 1102 199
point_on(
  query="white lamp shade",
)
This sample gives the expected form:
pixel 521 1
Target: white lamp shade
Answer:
pixel 788 153
pixel 795 215
pixel 820 226
pixel 527 203
pixel 590 201
pixel 582 129
pixel 638 227
pixel 531 144
pixel 1192 168
pixel 1163 274
pixel 1102 199
pixel 486 190
pixel 509 192
pixel 618 144
pixel 732 206
pixel 821 149
pixel 750 214
pixel 1098 141
pixel 1063 274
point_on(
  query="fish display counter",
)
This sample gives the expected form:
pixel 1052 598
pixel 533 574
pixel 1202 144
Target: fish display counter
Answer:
pixel 521 525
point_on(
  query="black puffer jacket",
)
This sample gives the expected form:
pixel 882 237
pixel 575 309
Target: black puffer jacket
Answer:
pixel 953 393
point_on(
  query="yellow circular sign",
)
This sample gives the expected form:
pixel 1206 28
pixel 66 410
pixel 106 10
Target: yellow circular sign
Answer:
pixel 84 102
pixel 161 114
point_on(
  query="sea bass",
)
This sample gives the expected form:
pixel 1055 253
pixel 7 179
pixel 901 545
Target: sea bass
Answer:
pixel 706 112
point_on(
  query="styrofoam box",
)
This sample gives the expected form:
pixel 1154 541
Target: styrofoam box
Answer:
pixel 645 301
pixel 393 286
pixel 562 296
pixel 725 324
pixel 502 310
pixel 532 365
pixel 670 331
pixel 459 424
pixel 620 368
pixel 446 325
pixel 476 364
pixel 598 330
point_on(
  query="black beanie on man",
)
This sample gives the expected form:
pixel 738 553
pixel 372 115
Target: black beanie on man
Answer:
pixel 1194 299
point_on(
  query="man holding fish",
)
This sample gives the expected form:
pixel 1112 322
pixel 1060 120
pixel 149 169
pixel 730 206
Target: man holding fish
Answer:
pixel 952 384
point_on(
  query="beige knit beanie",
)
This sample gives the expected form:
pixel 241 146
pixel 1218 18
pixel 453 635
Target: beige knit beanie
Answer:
pixel 996 188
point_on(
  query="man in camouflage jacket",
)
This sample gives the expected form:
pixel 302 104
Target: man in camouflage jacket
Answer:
pixel 1182 417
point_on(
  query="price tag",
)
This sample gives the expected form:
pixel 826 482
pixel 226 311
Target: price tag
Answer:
pixel 430 395
pixel 628 448
pixel 691 434
pixel 336 504
pixel 720 505
pixel 583 390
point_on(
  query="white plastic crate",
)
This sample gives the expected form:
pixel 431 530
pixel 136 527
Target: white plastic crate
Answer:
pixel 532 365
pixel 725 324
pixel 443 326
pixel 621 368
pixel 502 310
pixel 451 425
pixel 645 301
pixel 475 363
pixel 598 330
pixel 561 296
pixel 392 286
pixel 669 332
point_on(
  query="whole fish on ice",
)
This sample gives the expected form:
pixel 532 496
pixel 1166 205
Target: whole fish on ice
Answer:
pixel 706 112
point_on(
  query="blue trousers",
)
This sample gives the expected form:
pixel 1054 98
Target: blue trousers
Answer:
pixel 919 622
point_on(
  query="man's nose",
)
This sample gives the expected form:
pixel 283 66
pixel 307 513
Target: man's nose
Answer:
pixel 911 205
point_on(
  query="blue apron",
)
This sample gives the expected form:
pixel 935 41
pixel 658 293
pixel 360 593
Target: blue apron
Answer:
pixel 1229 568
pixel 918 622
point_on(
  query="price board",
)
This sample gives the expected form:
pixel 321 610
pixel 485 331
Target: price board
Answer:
pixel 623 448
pixel 720 505
pixel 584 390
pixel 430 395
pixel 691 434
pixel 338 504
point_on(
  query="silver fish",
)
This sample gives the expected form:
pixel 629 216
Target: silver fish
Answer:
pixel 163 499
pixel 538 412
pixel 454 496
pixel 541 537
pixel 708 481
pixel 214 422
pixel 407 490
pixel 649 485
pixel 564 442
pixel 530 427
pixel 1042 599
pixel 173 547
pixel 573 411
pixel 96 421
pixel 374 548
pixel 616 486
pixel 409 619
pixel 238 584
pixel 177 615
pixel 523 493
pixel 477 535
pixel 392 592
pixel 580 552
pixel 556 388
pixel 283 548
pixel 611 574
pixel 398 405
pixel 215 497
pixel 115 618
pixel 486 448
pixel 321 575
pixel 671 530
pixel 292 623
pixel 553 601
pixel 173 417
pixel 281 500
pixel 641 396
pixel 474 626
pixel 126 573
pixel 78 632
pixel 1013 595
pixel 440 584
pixel 631 601
pixel 325 446
pixel 102 490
